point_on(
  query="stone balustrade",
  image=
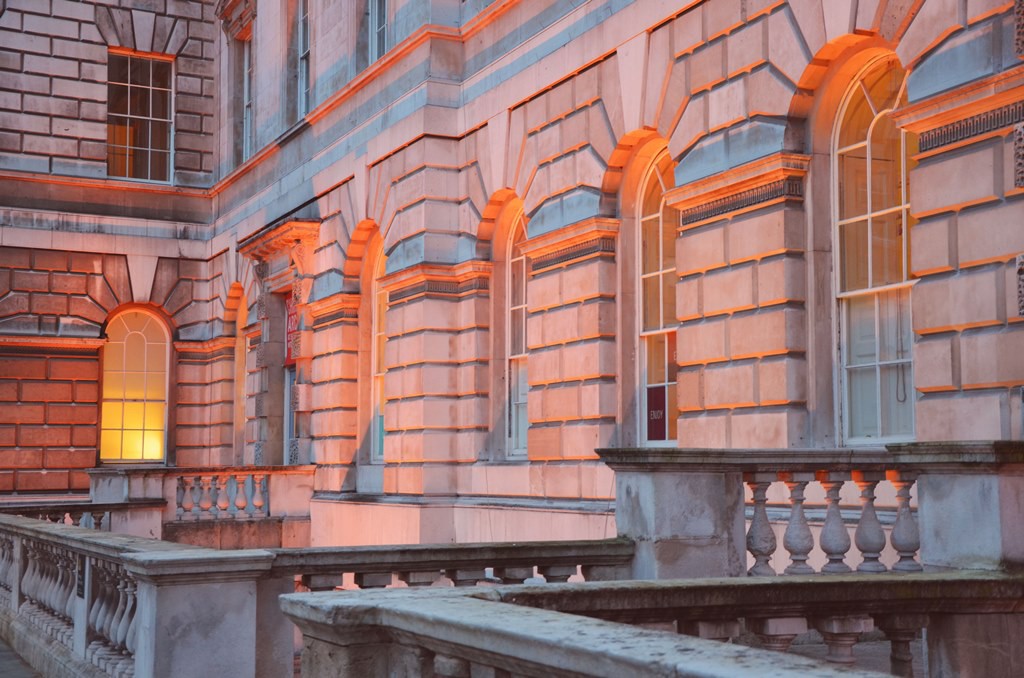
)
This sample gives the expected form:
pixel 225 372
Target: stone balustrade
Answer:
pixel 974 622
pixel 461 564
pixel 685 508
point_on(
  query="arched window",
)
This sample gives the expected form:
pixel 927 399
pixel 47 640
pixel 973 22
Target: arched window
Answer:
pixel 516 365
pixel 872 217
pixel 380 338
pixel 657 355
pixel 133 422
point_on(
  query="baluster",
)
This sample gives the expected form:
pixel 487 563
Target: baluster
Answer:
pixel 110 632
pixel 130 636
pixel 69 604
pixel 797 539
pixel 869 537
pixel 87 520
pixel 841 634
pixel 556 574
pixel 187 497
pixel 241 501
pixel 205 500
pixel 465 576
pixel 761 540
pixel 904 537
pixel 901 629
pixel 513 575
pixel 835 539
pixel 28 579
pixel 258 495
pixel 222 496
pixel 179 499
pixel 105 522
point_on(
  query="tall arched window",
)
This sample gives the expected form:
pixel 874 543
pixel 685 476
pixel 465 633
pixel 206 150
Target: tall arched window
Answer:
pixel 872 217
pixel 380 338
pixel 657 355
pixel 516 365
pixel 133 420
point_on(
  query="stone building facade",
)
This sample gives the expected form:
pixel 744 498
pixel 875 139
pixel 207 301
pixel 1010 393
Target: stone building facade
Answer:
pixel 444 250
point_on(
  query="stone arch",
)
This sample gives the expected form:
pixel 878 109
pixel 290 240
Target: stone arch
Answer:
pixel 493 227
pixel 366 239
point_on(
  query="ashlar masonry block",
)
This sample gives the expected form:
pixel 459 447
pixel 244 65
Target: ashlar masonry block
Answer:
pixel 956 179
pixel 948 302
pixel 729 385
pixel 729 290
pixel 933 364
pixel 992 358
pixel 767 332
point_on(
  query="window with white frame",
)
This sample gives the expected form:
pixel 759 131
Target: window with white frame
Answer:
pixel 378 29
pixel 516 365
pixel 379 299
pixel 133 415
pixel 304 54
pixel 139 105
pixel 248 98
pixel 872 157
pixel 657 355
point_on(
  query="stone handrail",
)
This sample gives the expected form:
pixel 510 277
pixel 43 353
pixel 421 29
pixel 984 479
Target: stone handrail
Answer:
pixel 463 564
pixel 974 621
pixel 963 517
pixel 463 632
pixel 92 515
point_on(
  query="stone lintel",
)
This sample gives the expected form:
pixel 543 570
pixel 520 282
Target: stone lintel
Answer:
pixel 433 280
pixel 268 241
pixel 554 242
pixel 775 177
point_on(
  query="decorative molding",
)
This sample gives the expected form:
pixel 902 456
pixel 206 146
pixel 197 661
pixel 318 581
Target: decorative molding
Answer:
pixel 1018 13
pixel 276 238
pixel 237 16
pixel 439 288
pixel 791 188
pixel 1020 285
pixel 604 246
pixel 1018 156
pixel 976 125
pixel 773 178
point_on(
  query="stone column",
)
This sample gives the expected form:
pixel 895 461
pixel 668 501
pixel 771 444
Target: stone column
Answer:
pixel 685 521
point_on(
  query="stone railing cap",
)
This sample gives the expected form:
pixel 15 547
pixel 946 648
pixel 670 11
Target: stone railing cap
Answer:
pixel 198 566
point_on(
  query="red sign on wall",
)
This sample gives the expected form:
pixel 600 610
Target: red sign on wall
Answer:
pixel 291 328
pixel 656 413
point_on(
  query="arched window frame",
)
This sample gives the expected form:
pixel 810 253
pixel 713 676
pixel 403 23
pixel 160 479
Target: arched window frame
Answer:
pixel 657 365
pixel 516 372
pixel 114 408
pixel 892 294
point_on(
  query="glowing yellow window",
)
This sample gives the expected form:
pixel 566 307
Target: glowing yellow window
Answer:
pixel 134 410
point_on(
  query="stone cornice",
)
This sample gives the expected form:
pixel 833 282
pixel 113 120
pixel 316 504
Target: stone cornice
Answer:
pixel 270 240
pixel 774 178
pixel 205 351
pixel 237 16
pixel 976 98
pixel 976 125
pixel 66 344
pixel 559 240
pixel 601 246
pixel 438 280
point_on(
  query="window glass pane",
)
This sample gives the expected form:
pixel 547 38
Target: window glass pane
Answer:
pixel 651 204
pixel 671 412
pixel 113 385
pixel 668 299
pixel 516 284
pixel 883 84
pixel 651 302
pixel 162 74
pixel 886 152
pixel 156 386
pixel 860 331
pixel 896 337
pixel 517 326
pixel 673 367
pixel 153 445
pixel 649 242
pixel 154 418
pixel 159 164
pixel 117 99
pixel 138 71
pixel 161 104
pixel 138 101
pixel 117 68
pixel 853 245
pixel 138 133
pixel 117 162
pixel 858 119
pixel 111 415
pixel 117 130
pixel 669 221
pixel 897 396
pixel 133 415
pixel 655 359
pixel 887 249
pixel 853 181
pixel 131 446
pixel 862 396
pixel 110 444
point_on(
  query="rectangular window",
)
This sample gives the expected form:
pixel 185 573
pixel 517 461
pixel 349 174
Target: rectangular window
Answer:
pixel 378 29
pixel 139 118
pixel 303 66
pixel 248 112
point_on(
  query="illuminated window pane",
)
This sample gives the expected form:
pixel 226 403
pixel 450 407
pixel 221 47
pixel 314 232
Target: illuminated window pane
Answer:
pixel 133 411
